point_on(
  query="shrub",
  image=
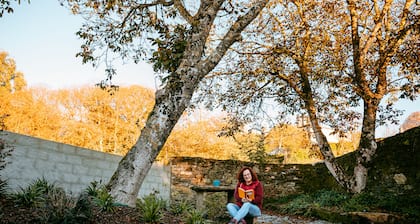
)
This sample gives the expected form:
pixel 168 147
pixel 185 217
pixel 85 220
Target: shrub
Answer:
pixel 104 200
pixel 3 188
pixel 32 195
pixel 52 203
pixel 82 212
pixel 58 207
pixel 179 208
pixel 94 188
pixel 215 205
pixel 359 202
pixel 298 206
pixel 327 198
pixel 101 197
pixel 195 217
pixel 151 208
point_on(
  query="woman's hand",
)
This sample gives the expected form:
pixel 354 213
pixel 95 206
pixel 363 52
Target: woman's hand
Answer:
pixel 245 200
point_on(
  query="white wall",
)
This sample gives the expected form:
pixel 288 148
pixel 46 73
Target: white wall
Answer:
pixel 70 167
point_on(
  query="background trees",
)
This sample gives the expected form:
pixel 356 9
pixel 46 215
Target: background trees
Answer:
pixel 87 117
pixel 11 82
pixel 110 119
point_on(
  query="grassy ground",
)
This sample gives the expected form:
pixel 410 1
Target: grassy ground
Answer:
pixel 345 208
pixel 44 203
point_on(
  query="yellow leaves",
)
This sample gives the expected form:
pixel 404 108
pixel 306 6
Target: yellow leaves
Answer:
pixel 10 79
pixel 87 117
pixel 200 139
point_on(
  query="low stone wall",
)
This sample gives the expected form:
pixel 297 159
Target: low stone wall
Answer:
pixel 277 179
pixel 70 167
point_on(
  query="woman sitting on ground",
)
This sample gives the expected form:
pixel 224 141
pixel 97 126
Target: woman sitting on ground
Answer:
pixel 248 197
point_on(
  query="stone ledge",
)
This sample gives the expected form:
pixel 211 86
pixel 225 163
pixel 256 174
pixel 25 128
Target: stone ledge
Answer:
pixel 378 217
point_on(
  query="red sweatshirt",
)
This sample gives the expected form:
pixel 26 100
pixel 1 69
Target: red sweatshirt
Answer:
pixel 258 190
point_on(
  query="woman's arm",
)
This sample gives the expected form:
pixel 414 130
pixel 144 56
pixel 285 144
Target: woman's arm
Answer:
pixel 259 194
pixel 236 195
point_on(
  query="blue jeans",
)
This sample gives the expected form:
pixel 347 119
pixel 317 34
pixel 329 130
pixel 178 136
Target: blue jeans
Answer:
pixel 239 213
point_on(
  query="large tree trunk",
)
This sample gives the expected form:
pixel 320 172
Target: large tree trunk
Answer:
pixel 367 147
pixel 126 181
pixel 175 97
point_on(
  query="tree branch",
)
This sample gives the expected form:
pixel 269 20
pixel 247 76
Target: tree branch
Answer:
pixel 233 35
pixel 184 13
pixel 377 27
pixel 143 6
pixel 361 86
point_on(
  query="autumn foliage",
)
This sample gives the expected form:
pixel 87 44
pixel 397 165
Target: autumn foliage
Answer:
pixel 110 120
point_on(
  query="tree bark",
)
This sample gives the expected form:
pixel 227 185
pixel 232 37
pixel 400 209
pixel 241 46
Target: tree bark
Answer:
pixel 367 147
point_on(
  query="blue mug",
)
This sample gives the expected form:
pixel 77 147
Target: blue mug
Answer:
pixel 216 183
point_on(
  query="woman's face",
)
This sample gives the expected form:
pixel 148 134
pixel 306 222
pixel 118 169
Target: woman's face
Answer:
pixel 247 176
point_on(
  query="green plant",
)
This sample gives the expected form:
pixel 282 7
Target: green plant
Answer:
pixel 3 187
pixel 58 206
pixel 215 204
pixel 255 149
pixel 179 208
pixel 101 197
pixel 82 212
pixel 4 153
pixel 151 208
pixel 36 193
pixel 29 196
pixel 359 202
pixel 94 188
pixel 327 198
pixel 298 206
pixel 43 186
pixel 104 200
pixel 195 217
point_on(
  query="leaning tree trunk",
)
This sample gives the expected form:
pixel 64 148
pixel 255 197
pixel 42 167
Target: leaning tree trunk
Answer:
pixel 305 92
pixel 175 97
pixel 329 159
pixel 126 181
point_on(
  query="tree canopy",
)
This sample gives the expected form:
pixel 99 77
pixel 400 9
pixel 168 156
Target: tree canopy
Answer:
pixel 325 59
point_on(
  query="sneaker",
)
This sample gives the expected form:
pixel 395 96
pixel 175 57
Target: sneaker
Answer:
pixel 242 221
pixel 233 221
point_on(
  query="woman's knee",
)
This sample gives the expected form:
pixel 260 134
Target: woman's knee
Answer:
pixel 230 205
pixel 247 205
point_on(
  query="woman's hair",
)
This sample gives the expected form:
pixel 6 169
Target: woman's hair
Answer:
pixel 240 175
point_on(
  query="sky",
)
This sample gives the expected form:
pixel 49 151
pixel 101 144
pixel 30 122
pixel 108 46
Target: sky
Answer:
pixel 41 38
